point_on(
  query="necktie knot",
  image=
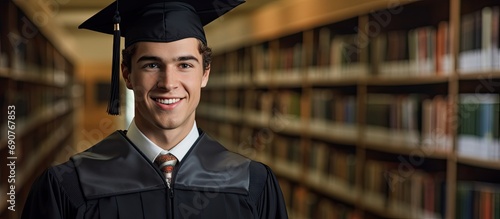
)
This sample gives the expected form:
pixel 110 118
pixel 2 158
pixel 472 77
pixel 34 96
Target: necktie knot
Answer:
pixel 166 163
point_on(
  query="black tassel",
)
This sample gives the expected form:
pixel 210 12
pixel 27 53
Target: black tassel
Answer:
pixel 114 101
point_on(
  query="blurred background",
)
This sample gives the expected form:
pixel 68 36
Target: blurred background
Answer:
pixel 363 108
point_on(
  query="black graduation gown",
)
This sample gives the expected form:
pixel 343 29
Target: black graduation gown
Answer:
pixel 113 179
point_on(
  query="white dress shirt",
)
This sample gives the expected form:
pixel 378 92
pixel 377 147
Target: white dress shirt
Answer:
pixel 151 150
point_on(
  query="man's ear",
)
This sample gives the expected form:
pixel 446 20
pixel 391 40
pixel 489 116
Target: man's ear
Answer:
pixel 204 79
pixel 126 76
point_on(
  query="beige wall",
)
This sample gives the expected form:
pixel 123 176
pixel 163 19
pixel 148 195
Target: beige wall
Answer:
pixel 93 122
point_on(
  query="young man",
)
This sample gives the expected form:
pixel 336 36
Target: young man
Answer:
pixel 163 166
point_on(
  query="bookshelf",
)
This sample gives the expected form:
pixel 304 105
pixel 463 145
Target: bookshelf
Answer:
pixel 36 82
pixel 390 109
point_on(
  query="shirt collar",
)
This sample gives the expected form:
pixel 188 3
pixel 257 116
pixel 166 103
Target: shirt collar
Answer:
pixel 151 150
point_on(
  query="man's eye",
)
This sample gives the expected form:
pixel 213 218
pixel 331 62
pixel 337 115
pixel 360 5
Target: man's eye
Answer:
pixel 151 65
pixel 185 65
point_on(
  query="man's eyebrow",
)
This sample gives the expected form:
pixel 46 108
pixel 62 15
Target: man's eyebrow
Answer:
pixel 186 58
pixel 180 58
pixel 148 58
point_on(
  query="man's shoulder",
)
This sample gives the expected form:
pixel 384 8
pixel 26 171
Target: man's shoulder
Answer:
pixel 68 168
pixel 61 178
pixel 66 174
pixel 233 159
pixel 107 144
pixel 62 171
pixel 212 153
pixel 114 166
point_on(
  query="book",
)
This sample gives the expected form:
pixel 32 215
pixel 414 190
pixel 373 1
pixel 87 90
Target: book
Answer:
pixel 443 52
pixel 478 126
pixel 479 41
pixel 415 193
pixel 477 199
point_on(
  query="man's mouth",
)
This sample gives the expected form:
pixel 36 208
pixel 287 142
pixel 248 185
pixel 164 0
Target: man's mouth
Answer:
pixel 168 101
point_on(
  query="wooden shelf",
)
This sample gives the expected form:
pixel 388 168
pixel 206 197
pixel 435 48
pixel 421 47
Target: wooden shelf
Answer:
pixel 333 187
pixel 416 80
pixel 296 80
pixel 288 124
pixel 49 113
pixel 332 81
pixel 4 72
pixel 328 185
pixel 333 132
pixel 479 162
pixel 219 113
pixel 393 148
pixel 377 204
pixel 230 81
pixel 479 75
pixel 40 76
pixel 278 79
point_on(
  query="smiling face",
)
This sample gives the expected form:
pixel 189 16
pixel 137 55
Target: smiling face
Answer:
pixel 166 79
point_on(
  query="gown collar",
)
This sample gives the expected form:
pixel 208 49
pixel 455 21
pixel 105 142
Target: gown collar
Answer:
pixel 115 166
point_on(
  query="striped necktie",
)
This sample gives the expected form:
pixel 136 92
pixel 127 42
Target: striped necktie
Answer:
pixel 166 163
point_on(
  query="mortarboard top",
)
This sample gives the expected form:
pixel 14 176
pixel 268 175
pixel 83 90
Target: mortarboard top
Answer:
pixel 149 17
pixel 153 21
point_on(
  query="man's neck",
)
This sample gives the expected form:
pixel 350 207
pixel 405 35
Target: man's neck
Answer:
pixel 165 138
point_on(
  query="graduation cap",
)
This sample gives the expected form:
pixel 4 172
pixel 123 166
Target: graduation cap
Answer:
pixel 153 21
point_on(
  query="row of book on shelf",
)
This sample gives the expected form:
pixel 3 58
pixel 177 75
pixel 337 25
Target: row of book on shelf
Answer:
pixel 409 193
pixel 285 102
pixel 480 40
pixel 397 186
pixel 387 188
pixel 422 51
pixel 419 193
pixel 389 184
pixel 413 120
pixel 478 129
pixel 30 54
pixel 424 193
pixel 416 52
pixel 409 120
pixel 404 120
pixel 477 200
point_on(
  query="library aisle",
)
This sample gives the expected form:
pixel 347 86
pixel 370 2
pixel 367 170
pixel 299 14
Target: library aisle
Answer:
pixel 42 101
pixel 362 108
pixel 36 82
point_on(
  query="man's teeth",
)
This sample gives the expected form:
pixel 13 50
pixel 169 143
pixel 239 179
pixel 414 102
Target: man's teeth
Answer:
pixel 168 101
